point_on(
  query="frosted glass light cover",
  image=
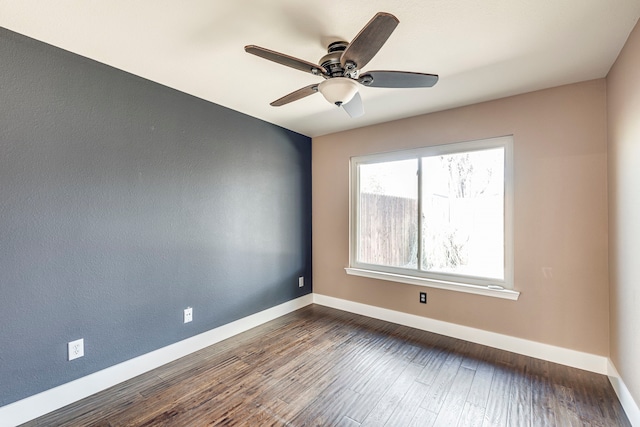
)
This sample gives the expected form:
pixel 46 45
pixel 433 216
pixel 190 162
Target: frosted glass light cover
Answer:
pixel 338 90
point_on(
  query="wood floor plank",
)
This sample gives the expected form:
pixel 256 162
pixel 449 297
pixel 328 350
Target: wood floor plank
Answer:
pixel 423 418
pixel 542 398
pixel 408 406
pixel 472 354
pixel 481 385
pixel 347 422
pixel 391 398
pixel 324 367
pixel 456 398
pixel 327 409
pixel 520 410
pixel 472 415
pixel 374 387
pixel 497 411
pixel 567 414
pixel 432 366
pixel 442 383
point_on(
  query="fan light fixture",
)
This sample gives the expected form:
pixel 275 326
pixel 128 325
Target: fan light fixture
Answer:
pixel 341 68
pixel 338 90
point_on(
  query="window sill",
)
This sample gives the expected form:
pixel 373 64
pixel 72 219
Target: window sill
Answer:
pixel 438 284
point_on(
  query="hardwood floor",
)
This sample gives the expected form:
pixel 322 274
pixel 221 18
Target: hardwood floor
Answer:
pixel 323 367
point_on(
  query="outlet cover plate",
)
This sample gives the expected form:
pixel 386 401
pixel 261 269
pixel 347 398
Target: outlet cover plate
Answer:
pixel 188 314
pixel 75 349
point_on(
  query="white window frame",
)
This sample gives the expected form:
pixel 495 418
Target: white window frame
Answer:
pixel 475 285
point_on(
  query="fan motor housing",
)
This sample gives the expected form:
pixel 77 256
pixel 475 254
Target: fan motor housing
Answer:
pixel 331 61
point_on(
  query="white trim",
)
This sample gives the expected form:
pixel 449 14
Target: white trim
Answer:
pixel 629 405
pixel 42 403
pixel 563 356
pixel 505 142
pixel 498 292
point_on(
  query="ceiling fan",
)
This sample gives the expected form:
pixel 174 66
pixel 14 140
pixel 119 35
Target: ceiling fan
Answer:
pixel 341 68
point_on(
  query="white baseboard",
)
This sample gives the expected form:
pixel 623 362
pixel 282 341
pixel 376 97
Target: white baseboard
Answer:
pixel 563 356
pixel 630 406
pixel 37 405
pixel 42 403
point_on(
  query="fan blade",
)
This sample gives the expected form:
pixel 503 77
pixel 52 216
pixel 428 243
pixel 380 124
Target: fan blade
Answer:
pixel 354 107
pixel 397 79
pixel 281 58
pixel 296 95
pixel 369 40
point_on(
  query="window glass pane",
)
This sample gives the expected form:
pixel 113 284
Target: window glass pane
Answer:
pixel 388 214
pixel 463 213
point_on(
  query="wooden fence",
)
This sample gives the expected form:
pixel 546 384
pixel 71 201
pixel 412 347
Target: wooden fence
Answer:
pixel 388 230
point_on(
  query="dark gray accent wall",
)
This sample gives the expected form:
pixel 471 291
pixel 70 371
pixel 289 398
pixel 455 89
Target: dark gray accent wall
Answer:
pixel 122 202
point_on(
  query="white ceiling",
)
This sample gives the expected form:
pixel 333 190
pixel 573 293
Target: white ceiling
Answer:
pixel 482 49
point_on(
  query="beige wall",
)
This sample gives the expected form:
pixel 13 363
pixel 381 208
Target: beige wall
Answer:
pixel 560 215
pixel 623 89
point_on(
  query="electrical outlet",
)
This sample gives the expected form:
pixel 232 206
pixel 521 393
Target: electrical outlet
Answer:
pixel 188 314
pixel 75 349
pixel 423 297
pixel 301 282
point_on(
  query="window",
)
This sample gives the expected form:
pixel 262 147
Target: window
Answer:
pixel 437 216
